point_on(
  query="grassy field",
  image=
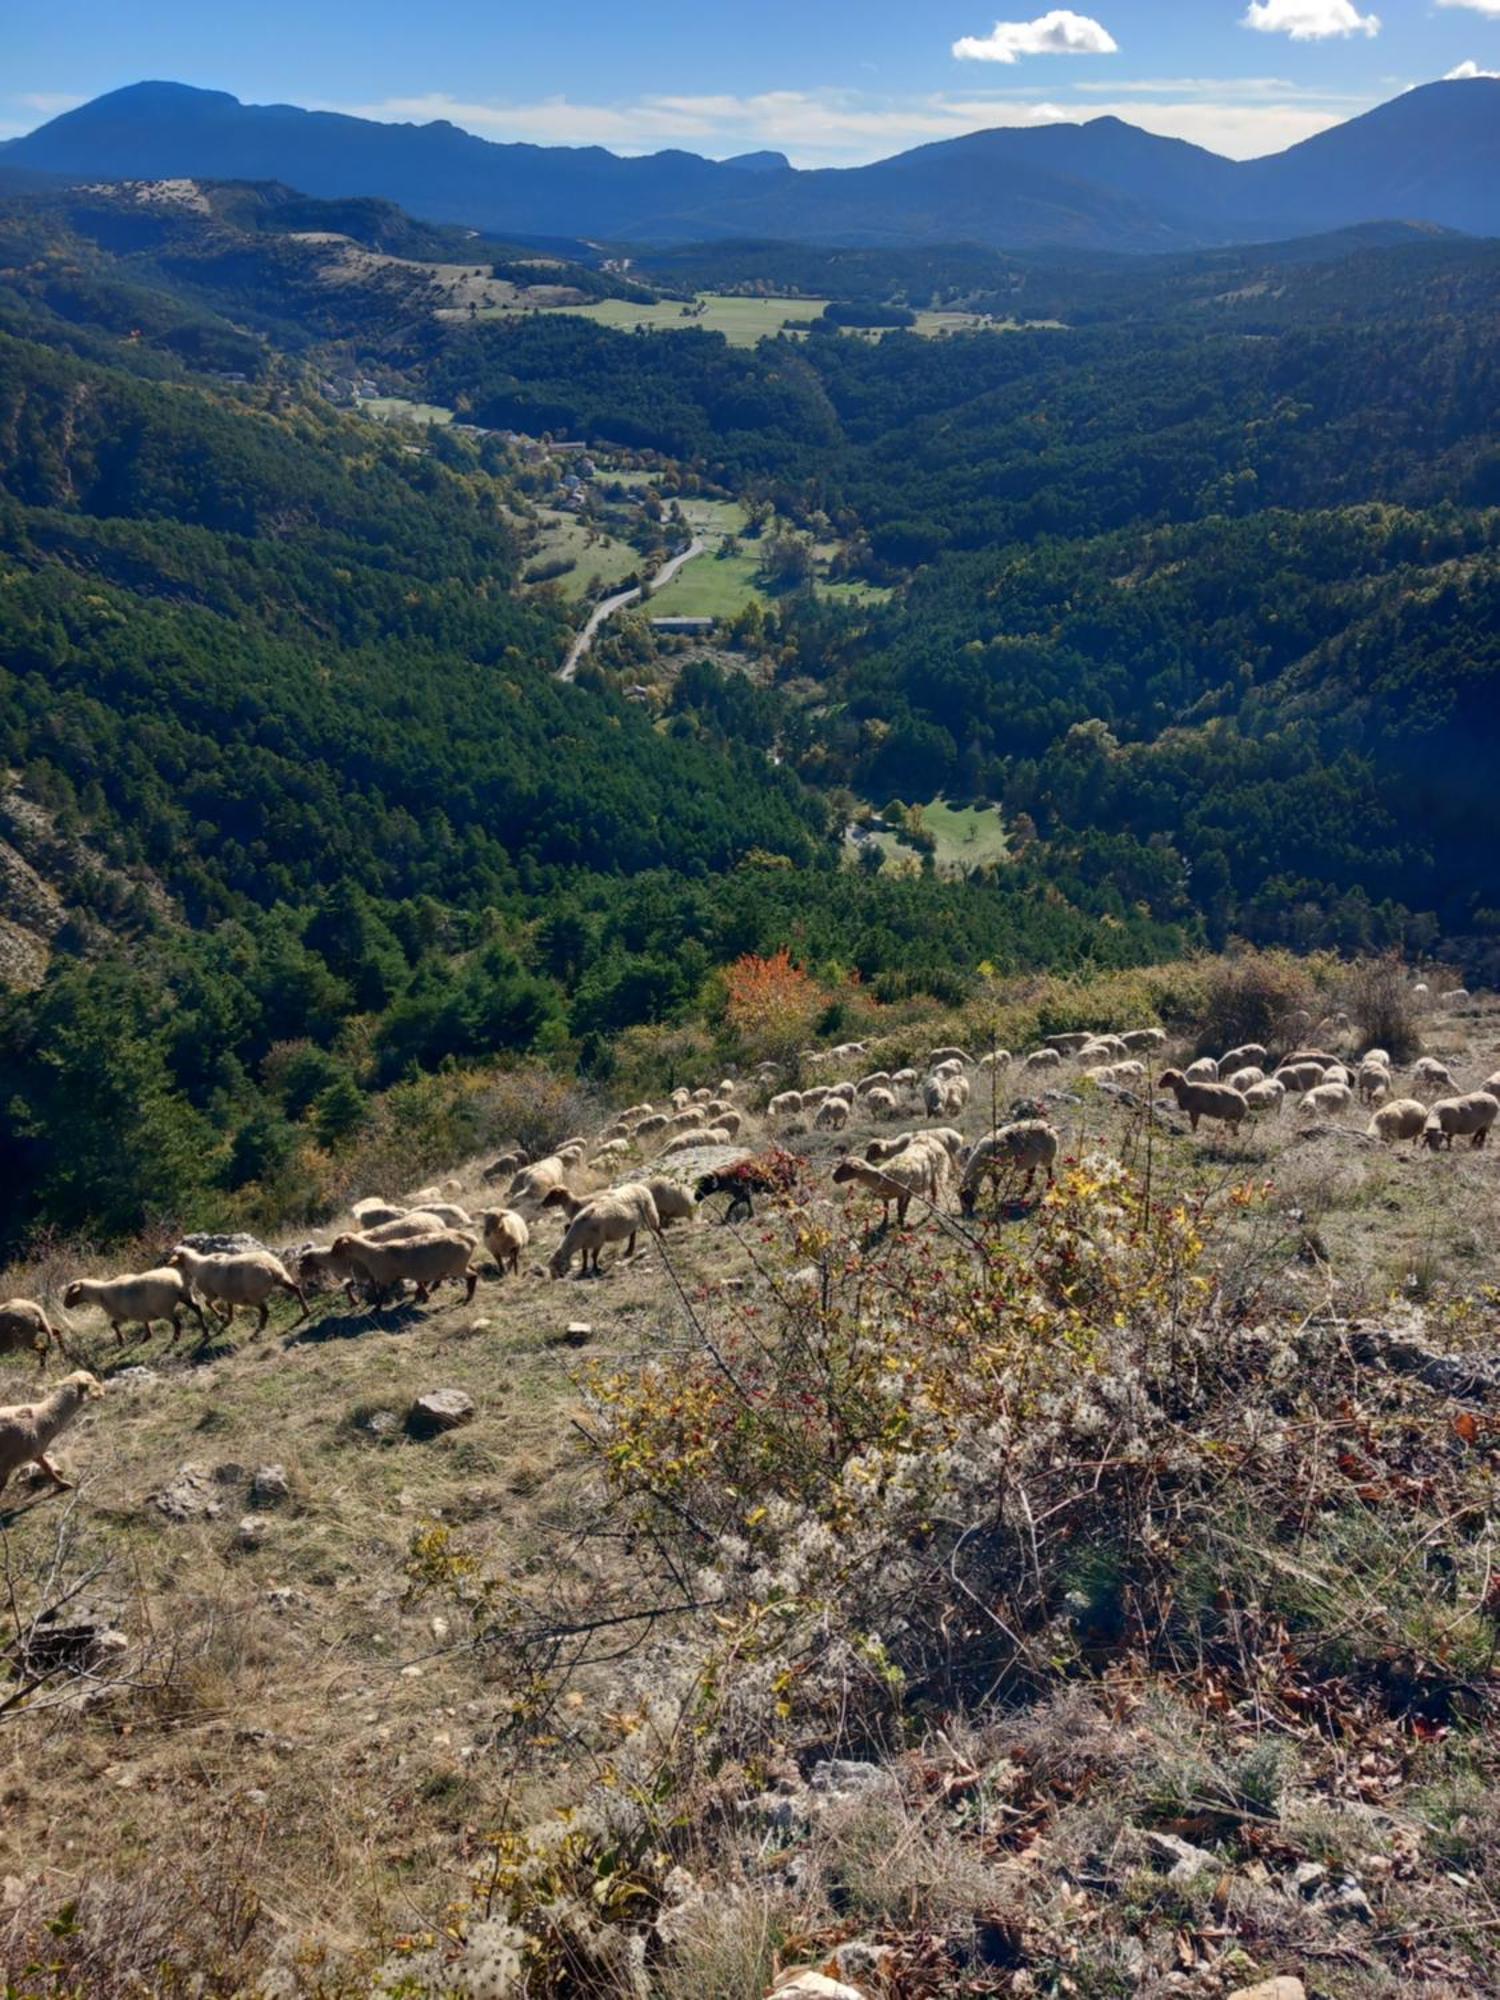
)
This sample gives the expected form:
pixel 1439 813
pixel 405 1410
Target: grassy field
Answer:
pixel 741 321
pixel 401 410
pixel 967 837
pixel 564 538
pixel 298 1755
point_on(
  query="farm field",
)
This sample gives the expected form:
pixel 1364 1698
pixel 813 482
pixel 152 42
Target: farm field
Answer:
pixel 564 538
pixel 713 585
pixel 742 322
pixel 966 836
pixel 402 410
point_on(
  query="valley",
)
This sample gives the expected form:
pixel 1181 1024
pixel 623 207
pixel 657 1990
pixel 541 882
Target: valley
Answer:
pixel 793 866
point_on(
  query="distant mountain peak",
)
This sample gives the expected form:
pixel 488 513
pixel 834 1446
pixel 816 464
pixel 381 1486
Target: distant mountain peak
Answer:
pixel 759 163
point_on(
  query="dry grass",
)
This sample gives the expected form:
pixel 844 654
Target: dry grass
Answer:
pixel 300 1753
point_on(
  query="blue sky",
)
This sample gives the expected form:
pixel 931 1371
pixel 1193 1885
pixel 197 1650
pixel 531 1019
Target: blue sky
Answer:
pixel 827 81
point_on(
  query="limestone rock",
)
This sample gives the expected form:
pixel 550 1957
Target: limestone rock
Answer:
pixel 269 1486
pixel 440 1410
pixel 190 1496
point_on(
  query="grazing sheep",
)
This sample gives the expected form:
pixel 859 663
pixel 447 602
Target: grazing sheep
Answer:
pixel 881 1103
pixel 1204 1070
pixel 1120 1072
pixel 878 1079
pixel 674 1203
pixel 1204 1100
pixel 1068 1044
pixel 373 1210
pixel 649 1126
pixel 1339 1073
pixel 24 1326
pixel 957 1055
pixel 506 1167
pixel 811 1099
pixel 608 1218
pixel 448 1213
pixel 1268 1095
pixel 1249 1055
pixel 947 1136
pixel 730 1121
pixel 230 1279
pixel 1326 1100
pixel 1031 1143
pixel 1043 1059
pixel 688 1120
pixel 833 1115
pixel 424 1261
pixel 996 1059
pixel 1403 1118
pixel 1456 996
pixel 785 1104
pixel 1373 1082
pixel 536 1182
pixel 1095 1056
pixel 1241 1079
pixel 28 1430
pixel 1467 1117
pixel 951 1066
pixel 703 1095
pixel 1298 1077
pixel 1432 1074
pixel 1321 1057
pixel 610 1149
pixel 1492 1084
pixel 137 1298
pixel 1136 1039
pixel 1421 993
pixel 918 1172
pixel 505 1237
pixel 1113 1044
pixel 681 1098
pixel 945 1096
pixel 904 1079
pixel 844 1092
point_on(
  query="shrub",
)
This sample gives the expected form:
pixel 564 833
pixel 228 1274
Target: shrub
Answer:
pixel 1256 996
pixel 1378 997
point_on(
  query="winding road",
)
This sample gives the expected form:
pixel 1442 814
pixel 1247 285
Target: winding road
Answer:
pixel 608 606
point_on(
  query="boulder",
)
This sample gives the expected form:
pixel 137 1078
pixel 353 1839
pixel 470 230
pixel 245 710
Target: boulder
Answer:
pixel 269 1486
pixel 190 1496
pixel 440 1410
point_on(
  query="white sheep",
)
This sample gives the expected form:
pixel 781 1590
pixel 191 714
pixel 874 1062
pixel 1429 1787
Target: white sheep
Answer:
pixel 1136 1039
pixel 1241 1079
pixel 1204 1070
pixel 1468 1117
pixel 1295 1078
pixel 230 1279
pixel 881 1103
pixel 505 1237
pixel 919 1171
pixel 1373 1082
pixel 424 1261
pixel 24 1328
pixel 28 1430
pixel 878 1079
pixel 136 1298
pixel 1431 1074
pixel 785 1104
pixel 1456 996
pixel 1268 1095
pixel 1402 1118
pixel 945 1096
pixel 536 1182
pixel 1249 1055
pixel 948 1055
pixel 373 1210
pixel 1068 1044
pixel 1043 1059
pixel 1029 1144
pixel 674 1203
pixel 608 1218
pixel 1325 1100
pixel 1205 1100
pixel 833 1115
pixel 996 1059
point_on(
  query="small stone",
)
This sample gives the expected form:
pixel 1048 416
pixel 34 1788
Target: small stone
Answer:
pixel 844 1775
pixel 1308 1877
pixel 412 1673
pixel 481 1326
pixel 440 1410
pixel 1283 1987
pixel 812 1985
pixel 1183 1860
pixel 1347 1899
pixel 252 1531
pixel 380 1423
pixel 190 1496
pixel 865 1962
pixel 577 1332
pixel 441 1630
pixel 270 1486
pixel 284 1598
pixel 257 1798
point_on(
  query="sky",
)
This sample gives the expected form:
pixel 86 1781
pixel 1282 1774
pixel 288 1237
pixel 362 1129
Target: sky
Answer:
pixel 828 82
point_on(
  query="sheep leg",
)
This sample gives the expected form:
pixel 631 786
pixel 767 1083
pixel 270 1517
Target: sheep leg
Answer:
pixel 472 1279
pixel 114 1327
pixel 630 1246
pixel 301 1297
pixel 65 1485
pixel 176 1329
pixel 422 1295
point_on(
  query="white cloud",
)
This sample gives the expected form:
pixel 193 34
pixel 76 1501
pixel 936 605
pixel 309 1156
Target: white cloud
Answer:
pixel 49 102
pixel 837 128
pixel 1490 7
pixel 1059 33
pixel 1310 20
pixel 1468 70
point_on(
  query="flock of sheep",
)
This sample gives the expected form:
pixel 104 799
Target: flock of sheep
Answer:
pixel 430 1239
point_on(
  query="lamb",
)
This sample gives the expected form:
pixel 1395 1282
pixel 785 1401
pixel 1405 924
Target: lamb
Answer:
pixel 918 1172
pixel 1467 1117
pixel 505 1237
pixel 1403 1118
pixel 424 1260
pixel 1205 1100
pixel 234 1278
pixel 23 1326
pixel 28 1430
pixel 833 1115
pixel 1029 1144
pixel 373 1209
pixel 1326 1100
pixel 137 1298
pixel 1042 1059
pixel 608 1218
pixel 1266 1096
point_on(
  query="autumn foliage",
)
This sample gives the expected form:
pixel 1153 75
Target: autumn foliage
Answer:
pixel 770 1003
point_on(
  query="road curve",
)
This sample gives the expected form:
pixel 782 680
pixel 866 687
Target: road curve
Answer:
pixel 608 606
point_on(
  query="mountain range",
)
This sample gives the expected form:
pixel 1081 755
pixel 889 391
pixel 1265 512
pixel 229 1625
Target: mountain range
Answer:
pixel 1431 155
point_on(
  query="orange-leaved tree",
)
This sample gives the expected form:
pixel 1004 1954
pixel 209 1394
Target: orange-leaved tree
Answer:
pixel 771 1004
